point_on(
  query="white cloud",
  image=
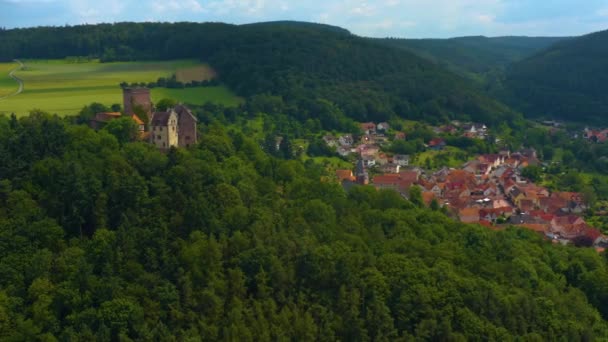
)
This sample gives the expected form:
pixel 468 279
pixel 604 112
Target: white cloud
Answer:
pixel 404 18
pixel 177 6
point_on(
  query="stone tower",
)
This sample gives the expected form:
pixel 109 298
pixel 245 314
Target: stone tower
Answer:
pixel 137 97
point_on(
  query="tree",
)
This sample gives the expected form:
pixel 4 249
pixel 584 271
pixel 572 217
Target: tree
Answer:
pixel 124 129
pixel 533 173
pixel 165 104
pixel 415 196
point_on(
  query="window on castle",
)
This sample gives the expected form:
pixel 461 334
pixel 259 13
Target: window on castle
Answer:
pixel 158 137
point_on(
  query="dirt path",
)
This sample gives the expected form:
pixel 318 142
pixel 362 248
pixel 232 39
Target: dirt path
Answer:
pixel 17 79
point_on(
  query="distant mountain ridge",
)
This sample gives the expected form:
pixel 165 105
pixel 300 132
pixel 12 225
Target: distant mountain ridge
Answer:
pixel 475 54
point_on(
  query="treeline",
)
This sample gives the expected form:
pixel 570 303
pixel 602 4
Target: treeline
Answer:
pixel 299 62
pixel 172 83
pixel 106 239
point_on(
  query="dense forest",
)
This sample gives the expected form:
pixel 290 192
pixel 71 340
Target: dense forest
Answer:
pixel 106 239
pixel 302 63
pixel 568 81
pixel 476 57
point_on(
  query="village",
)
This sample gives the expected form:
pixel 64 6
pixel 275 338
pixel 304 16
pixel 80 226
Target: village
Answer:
pixel 488 190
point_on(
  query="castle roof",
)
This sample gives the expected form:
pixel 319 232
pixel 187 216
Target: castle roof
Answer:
pixel 161 118
pixel 182 110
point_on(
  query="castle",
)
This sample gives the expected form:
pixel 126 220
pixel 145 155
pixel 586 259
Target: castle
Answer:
pixel 175 127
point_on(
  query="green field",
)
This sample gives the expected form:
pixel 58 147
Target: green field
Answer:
pixel 64 87
pixel 7 84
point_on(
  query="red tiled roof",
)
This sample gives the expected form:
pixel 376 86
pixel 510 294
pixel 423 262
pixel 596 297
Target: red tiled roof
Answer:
pixel 106 116
pixel 137 119
pixel 436 142
pixel 345 175
pixel 541 228
pixel 368 125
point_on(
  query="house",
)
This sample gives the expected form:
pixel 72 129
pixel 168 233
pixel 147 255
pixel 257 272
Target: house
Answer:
pixel 343 151
pixel 368 139
pixel 368 150
pixel 383 127
pixel 428 197
pixel 368 161
pixel 401 159
pixel 491 215
pixel 368 128
pixel 330 140
pixel 469 215
pixel 400 182
pixel 343 175
pixel 346 140
pixel 520 219
pixel 494 160
pixel 541 228
pixel 382 159
pixel 437 144
pixel 390 168
pixel 400 136
pixel 101 119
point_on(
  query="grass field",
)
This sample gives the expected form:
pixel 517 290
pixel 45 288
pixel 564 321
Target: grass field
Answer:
pixel 448 157
pixel 7 84
pixel 63 87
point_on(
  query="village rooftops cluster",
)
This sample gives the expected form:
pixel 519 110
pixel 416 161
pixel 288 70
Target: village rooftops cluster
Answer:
pixel 175 127
pixel 596 135
pixel 491 191
pixel 374 136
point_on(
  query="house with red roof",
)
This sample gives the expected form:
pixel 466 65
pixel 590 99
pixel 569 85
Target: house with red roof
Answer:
pixel 437 144
pixel 368 128
pixel 469 215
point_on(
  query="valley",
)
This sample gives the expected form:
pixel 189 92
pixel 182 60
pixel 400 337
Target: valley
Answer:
pixel 316 185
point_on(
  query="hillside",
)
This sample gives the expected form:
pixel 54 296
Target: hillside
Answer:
pixel 299 62
pixel 105 239
pixel 568 80
pixel 474 55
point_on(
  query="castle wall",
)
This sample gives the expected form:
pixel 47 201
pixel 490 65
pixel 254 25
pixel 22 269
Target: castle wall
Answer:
pixel 187 130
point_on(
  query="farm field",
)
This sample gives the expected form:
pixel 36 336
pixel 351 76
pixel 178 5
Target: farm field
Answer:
pixel 7 84
pixel 64 87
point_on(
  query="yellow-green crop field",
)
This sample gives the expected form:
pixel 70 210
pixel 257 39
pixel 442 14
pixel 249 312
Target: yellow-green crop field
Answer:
pixel 64 87
pixel 7 84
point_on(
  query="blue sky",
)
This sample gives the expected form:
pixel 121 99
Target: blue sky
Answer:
pixel 379 18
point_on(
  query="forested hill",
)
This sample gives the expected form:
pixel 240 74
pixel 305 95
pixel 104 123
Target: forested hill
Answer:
pixel 299 62
pixel 102 239
pixel 568 80
pixel 475 54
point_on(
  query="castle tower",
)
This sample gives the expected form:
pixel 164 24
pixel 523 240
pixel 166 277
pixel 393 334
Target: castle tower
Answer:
pixel 137 97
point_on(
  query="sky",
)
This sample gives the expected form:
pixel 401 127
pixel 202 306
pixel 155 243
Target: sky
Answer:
pixel 378 18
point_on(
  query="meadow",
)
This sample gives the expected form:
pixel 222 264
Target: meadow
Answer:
pixel 7 84
pixel 64 87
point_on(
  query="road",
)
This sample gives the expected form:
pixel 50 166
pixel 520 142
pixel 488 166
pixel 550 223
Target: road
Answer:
pixel 17 79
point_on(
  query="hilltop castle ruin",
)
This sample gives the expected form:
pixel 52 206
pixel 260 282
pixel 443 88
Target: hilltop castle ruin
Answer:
pixel 176 127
